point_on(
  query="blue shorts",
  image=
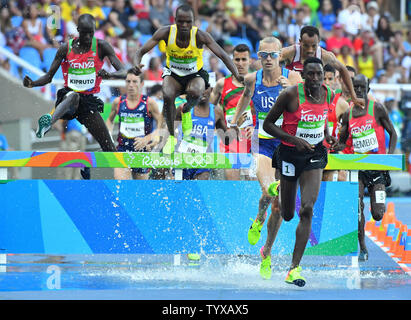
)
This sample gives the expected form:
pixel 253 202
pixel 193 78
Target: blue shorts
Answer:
pixel 190 174
pixel 123 148
pixel 265 147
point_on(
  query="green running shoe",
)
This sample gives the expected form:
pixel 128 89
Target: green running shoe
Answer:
pixel 170 145
pixel 265 266
pixel 254 232
pixel 273 189
pixel 44 125
pixel 187 123
pixel 294 277
pixel 193 256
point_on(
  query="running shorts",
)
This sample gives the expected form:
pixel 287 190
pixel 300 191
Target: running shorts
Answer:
pixel 372 177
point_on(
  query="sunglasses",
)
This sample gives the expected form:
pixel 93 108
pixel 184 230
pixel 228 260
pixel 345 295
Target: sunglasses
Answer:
pixel 264 54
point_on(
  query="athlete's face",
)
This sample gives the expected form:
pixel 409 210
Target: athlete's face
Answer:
pixel 268 54
pixel 360 85
pixel 242 62
pixel 313 75
pixel 329 79
pixel 184 22
pixel 86 33
pixel 133 84
pixel 309 45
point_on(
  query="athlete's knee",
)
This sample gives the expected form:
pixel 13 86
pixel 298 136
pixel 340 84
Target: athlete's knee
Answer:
pixel 193 94
pixel 377 211
pixel 306 211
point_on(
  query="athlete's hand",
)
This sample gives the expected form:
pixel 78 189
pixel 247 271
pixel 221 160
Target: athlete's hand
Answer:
pixel 140 143
pixel 138 69
pixel 230 135
pixel 240 79
pixel 243 117
pixel 284 82
pixel 248 132
pixel 302 145
pixel 332 141
pixel 103 74
pixel 359 102
pixel 27 82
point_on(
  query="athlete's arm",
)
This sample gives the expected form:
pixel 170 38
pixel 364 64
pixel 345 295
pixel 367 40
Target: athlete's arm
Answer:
pixel 112 115
pixel 341 107
pixel 215 95
pixel 48 76
pixel 344 133
pixel 206 39
pixel 287 55
pixel 245 99
pixel 160 34
pixel 383 118
pixel 329 58
pixel 107 51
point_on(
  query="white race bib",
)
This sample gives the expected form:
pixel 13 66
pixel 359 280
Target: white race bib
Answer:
pixel 312 132
pixel 132 127
pixel 81 79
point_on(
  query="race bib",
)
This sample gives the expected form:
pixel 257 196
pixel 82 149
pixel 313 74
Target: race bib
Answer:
pixel 248 121
pixel 312 132
pixel 365 141
pixel 132 127
pixel 81 79
pixel 261 117
pixel 192 145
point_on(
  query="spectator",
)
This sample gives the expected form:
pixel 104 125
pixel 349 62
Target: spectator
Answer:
pixel 281 17
pixel 67 8
pixel 294 28
pixel 337 40
pixel 396 47
pixel 373 15
pixel 92 8
pixel 327 18
pixel 384 32
pixel 14 37
pixel 207 8
pixel 221 26
pixel 392 74
pixel 351 17
pixel 346 57
pixel 120 16
pixel 160 14
pixel 366 62
pixel 154 70
pixel 266 26
pixel 142 9
pixel 33 29
pixel 407 43
pixel 376 47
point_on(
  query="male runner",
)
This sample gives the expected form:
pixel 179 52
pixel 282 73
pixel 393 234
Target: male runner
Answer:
pixel 81 60
pixel 364 127
pixel 137 113
pixel 295 55
pixel 226 93
pixel 206 118
pixel 301 156
pixel 184 73
pixel 337 108
pixel 262 88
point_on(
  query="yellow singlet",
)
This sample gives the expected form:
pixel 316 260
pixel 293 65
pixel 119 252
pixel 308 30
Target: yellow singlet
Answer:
pixel 183 61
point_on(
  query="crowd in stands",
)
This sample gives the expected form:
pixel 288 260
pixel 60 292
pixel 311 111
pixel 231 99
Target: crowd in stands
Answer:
pixel 359 32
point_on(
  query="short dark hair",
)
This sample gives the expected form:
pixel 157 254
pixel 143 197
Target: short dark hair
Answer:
pixel 310 31
pixel 352 69
pixel 329 68
pixel 186 8
pixel 136 73
pixel 242 47
pixel 312 60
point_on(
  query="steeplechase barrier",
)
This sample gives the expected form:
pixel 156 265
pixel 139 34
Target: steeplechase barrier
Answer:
pixel 165 216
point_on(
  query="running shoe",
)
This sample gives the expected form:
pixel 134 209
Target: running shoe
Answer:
pixel 294 277
pixel 44 125
pixel 363 256
pixel 273 188
pixel 254 232
pixel 193 256
pixel 186 123
pixel 265 266
pixel 85 173
pixel 170 145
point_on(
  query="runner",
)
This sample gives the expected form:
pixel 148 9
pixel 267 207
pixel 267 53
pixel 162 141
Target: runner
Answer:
pixel 301 156
pixel 184 73
pixel 81 60
pixel 226 93
pixel 206 118
pixel 295 55
pixel 137 113
pixel 364 127
pixel 337 108
pixel 262 88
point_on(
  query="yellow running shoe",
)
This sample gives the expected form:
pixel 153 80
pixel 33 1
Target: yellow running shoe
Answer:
pixel 265 266
pixel 274 188
pixel 170 145
pixel 254 232
pixel 294 277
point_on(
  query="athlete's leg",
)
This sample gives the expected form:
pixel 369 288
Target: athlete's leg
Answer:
pixel 328 175
pixel 98 129
pixel 342 175
pixel 203 176
pixel 232 174
pixel 68 105
pixel 194 91
pixel 310 183
pixel 171 90
pixel 265 175
pixel 377 200
pixel 140 176
pixel 122 174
